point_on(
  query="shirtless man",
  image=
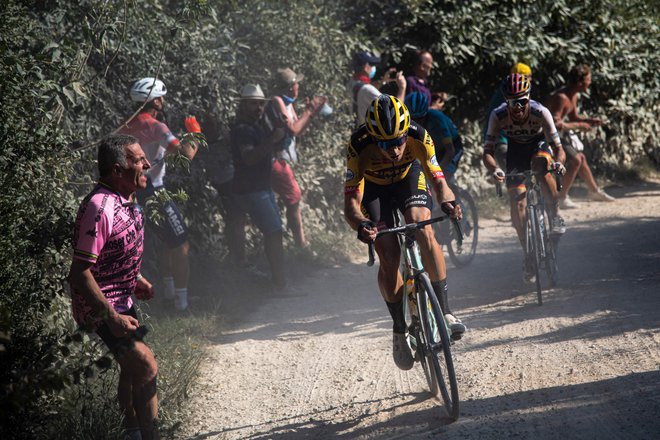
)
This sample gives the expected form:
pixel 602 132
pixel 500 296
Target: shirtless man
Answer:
pixel 563 106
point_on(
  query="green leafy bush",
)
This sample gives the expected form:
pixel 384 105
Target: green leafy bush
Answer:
pixel 67 67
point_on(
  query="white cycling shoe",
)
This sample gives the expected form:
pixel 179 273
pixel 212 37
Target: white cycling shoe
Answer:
pixel 401 351
pixel 456 327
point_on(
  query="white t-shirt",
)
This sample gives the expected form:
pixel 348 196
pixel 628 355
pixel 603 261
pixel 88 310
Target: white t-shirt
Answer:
pixel 365 97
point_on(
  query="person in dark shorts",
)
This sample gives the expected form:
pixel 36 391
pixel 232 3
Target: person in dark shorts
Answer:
pixel 105 273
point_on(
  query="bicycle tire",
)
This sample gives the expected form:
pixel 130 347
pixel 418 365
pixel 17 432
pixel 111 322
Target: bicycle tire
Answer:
pixel 463 255
pixel 533 237
pixel 437 347
pixel 551 266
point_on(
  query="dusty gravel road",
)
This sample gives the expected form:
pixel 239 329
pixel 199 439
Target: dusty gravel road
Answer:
pixel 585 365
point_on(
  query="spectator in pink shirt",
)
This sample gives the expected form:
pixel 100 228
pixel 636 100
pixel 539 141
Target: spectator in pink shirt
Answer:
pixel 105 272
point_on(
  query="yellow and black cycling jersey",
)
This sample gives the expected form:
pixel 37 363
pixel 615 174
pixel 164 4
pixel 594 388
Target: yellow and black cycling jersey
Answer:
pixel 364 160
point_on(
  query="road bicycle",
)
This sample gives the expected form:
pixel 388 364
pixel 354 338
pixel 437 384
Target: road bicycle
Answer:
pixel 540 244
pixel 461 252
pixel 429 333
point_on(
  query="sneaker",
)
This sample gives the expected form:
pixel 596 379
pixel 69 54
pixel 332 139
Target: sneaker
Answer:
pixel 529 274
pixel 456 327
pixel 600 196
pixel 401 352
pixel 567 203
pixel 558 226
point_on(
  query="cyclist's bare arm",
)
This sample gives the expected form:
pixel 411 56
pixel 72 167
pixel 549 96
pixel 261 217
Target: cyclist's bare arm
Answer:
pixel 354 216
pixel 488 156
pixel 552 136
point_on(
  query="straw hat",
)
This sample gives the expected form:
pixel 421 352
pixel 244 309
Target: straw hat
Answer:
pixel 253 92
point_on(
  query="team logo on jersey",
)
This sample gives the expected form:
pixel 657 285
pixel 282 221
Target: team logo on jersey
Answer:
pixel 434 161
pixel 349 175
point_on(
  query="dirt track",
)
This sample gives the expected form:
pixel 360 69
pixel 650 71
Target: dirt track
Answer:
pixel 585 365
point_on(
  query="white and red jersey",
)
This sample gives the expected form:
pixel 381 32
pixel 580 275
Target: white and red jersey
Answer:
pixel 109 232
pixel 155 139
pixel 537 125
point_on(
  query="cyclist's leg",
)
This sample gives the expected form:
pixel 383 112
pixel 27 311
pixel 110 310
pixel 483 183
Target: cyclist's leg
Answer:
pixel 518 159
pixel 414 199
pixel 541 162
pixel 377 206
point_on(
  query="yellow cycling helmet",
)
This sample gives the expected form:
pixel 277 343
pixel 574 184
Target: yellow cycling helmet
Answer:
pixel 522 69
pixel 387 118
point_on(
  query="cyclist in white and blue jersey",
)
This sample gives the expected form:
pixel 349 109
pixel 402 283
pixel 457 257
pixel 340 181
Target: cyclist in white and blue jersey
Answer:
pixel 533 144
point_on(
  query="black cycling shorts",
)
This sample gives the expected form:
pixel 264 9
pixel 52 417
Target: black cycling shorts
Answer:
pixel 519 159
pixel 117 345
pixel 172 228
pixel 379 201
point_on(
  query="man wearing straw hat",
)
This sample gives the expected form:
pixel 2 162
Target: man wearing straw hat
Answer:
pixel 252 145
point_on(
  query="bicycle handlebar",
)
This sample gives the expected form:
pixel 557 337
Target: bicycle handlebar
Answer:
pixel 409 227
pixel 526 174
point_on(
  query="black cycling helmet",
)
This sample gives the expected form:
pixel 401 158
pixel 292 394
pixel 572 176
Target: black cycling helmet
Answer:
pixel 387 118
pixel 418 104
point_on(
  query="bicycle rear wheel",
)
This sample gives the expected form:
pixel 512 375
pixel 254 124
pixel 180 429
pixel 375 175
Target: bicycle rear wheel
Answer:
pixel 434 338
pixel 534 249
pixel 462 255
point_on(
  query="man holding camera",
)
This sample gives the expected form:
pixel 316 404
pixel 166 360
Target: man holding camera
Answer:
pixel 252 145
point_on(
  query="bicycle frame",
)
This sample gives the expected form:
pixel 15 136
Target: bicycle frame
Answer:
pixel 536 235
pixel 429 333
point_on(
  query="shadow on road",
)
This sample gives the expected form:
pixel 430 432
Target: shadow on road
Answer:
pixel 548 413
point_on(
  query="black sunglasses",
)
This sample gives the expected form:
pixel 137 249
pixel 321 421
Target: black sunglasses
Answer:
pixel 517 103
pixel 386 145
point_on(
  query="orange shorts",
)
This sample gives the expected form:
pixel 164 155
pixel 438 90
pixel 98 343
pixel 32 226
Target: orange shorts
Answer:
pixel 284 183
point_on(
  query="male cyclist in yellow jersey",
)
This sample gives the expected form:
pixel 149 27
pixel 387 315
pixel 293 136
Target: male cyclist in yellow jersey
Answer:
pixel 389 161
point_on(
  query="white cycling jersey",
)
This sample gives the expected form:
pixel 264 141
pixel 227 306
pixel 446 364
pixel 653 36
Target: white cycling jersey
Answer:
pixel 539 124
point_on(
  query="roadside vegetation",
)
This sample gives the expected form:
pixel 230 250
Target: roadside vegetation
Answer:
pixel 66 70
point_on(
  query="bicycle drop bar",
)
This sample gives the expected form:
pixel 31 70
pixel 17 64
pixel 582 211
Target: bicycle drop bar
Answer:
pixel 410 227
pixel 498 186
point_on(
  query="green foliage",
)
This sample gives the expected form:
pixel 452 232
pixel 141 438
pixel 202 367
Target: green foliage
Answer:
pixel 66 70
pixel 475 43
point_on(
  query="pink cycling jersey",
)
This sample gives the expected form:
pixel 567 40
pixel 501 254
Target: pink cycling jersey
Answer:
pixel 155 139
pixel 108 233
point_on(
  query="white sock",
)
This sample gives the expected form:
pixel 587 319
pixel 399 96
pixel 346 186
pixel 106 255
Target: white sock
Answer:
pixel 168 287
pixel 182 298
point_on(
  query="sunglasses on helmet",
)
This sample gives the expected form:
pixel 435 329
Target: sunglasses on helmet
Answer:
pixel 386 145
pixel 517 103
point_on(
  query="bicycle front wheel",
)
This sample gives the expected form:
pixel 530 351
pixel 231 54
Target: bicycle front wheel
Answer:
pixel 461 255
pixel 552 243
pixel 435 340
pixel 534 248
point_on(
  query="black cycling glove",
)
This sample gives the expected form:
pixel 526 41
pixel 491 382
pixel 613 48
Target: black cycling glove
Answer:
pixel 448 207
pixel 367 224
